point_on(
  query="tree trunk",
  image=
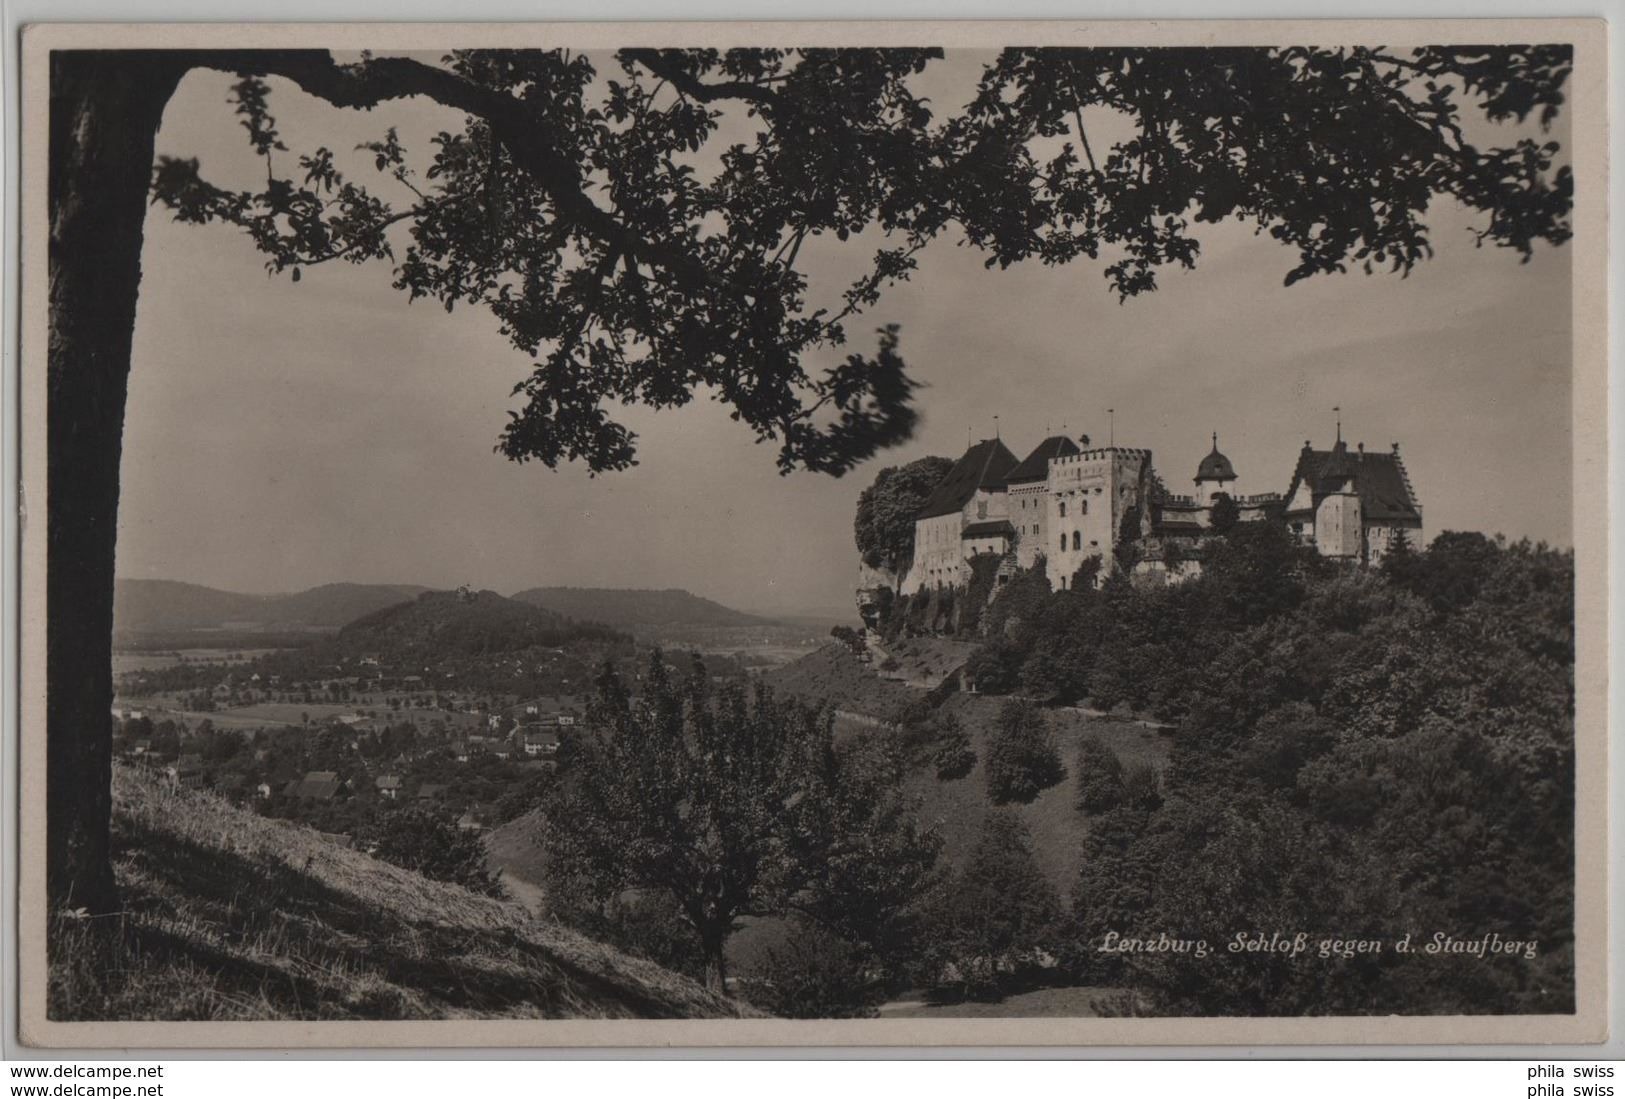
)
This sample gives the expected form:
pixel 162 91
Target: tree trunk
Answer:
pixel 105 111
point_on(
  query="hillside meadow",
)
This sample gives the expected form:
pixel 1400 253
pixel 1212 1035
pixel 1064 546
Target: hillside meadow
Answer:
pixel 230 916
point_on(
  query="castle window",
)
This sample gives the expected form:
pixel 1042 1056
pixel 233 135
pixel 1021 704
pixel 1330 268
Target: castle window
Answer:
pixel 1077 540
pixel 1063 509
pixel 1085 507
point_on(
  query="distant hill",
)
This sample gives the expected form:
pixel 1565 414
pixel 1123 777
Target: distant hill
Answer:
pixel 443 624
pixel 630 608
pixel 168 605
pixel 231 916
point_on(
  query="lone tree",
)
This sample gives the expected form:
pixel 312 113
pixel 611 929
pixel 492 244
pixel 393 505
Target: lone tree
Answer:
pixel 884 525
pixel 569 205
pixel 1022 761
pixel 735 806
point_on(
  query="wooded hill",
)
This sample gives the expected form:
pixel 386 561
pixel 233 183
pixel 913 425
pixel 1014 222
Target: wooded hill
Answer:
pixel 441 625
pixel 152 605
pixel 633 607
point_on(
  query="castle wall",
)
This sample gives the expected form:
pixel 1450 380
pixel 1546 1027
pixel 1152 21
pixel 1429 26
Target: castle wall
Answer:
pixel 1028 505
pixel 1380 539
pixel 938 555
pixel 973 547
pixel 1339 531
pixel 987 505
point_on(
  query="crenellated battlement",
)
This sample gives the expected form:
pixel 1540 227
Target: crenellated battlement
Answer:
pixel 1098 453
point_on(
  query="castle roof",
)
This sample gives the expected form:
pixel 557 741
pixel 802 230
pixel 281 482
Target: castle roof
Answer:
pixel 1215 467
pixel 1035 466
pixel 1380 480
pixel 984 466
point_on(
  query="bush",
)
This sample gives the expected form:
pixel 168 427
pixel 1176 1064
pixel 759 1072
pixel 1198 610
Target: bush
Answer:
pixel 1142 788
pixel 954 756
pixel 992 921
pixel 1100 776
pixel 436 848
pixel 849 637
pixel 1021 761
pixel 815 974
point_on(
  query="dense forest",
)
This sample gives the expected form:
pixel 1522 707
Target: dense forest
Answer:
pixel 1359 754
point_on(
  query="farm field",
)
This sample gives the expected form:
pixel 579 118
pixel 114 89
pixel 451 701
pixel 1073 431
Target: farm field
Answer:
pixel 293 714
pixel 132 661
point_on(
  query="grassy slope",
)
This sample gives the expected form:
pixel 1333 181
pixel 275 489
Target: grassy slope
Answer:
pixel 1056 823
pixel 832 676
pixel 233 916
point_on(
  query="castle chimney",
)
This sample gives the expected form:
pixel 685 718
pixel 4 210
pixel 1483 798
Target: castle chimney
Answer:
pixel 1361 447
pixel 1396 448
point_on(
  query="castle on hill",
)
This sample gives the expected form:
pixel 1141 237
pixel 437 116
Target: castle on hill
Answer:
pixel 1066 502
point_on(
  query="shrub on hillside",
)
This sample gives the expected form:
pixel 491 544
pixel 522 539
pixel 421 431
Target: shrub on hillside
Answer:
pixel 992 921
pixel 435 847
pixel 1100 776
pixel 954 756
pixel 813 973
pixel 1142 788
pixel 1022 761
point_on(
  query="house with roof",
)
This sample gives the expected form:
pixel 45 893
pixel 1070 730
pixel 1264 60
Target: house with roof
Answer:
pixel 432 791
pixel 316 786
pixel 539 741
pixel 186 771
pixel 970 497
pixel 388 786
pixel 1352 505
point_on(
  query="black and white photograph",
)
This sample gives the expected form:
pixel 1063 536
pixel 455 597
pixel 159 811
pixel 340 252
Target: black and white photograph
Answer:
pixel 817 533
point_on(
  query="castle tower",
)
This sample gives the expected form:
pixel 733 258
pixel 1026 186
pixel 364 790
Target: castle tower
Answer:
pixel 1212 475
pixel 1090 495
pixel 1339 525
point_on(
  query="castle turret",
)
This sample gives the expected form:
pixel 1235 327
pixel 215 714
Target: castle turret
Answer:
pixel 1213 474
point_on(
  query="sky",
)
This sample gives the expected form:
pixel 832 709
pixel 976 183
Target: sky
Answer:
pixel 281 435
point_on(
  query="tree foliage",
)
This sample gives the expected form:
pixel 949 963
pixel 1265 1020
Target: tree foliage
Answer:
pixel 570 205
pixel 1225 514
pixel 997 913
pixel 1022 761
pixel 884 525
pixel 732 805
pixel 1101 779
pixel 432 844
pixel 1358 755
pixel 954 756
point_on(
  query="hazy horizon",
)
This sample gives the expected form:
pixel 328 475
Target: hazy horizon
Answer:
pixel 280 436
